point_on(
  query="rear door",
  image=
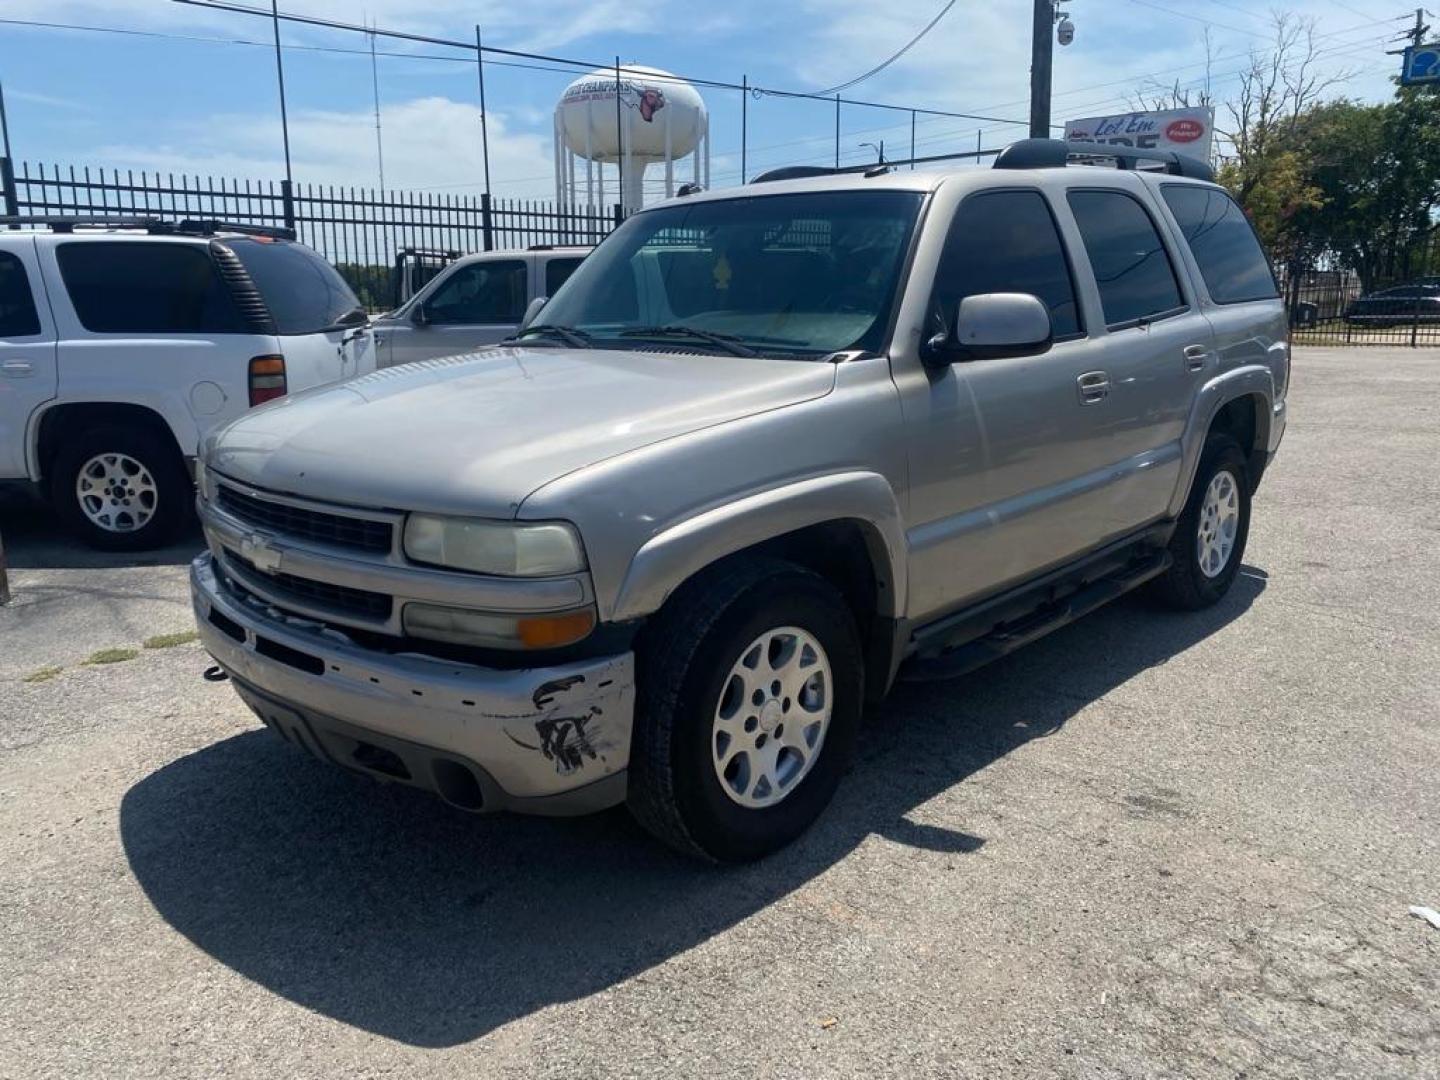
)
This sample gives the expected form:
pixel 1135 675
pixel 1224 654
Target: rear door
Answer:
pixel 27 352
pixel 476 303
pixel 1158 347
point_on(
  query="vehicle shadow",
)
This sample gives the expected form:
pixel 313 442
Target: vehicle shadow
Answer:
pixel 383 909
pixel 36 539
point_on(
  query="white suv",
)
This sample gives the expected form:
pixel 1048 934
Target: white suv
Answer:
pixel 123 342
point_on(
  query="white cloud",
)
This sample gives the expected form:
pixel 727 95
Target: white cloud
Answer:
pixel 48 101
pixel 430 143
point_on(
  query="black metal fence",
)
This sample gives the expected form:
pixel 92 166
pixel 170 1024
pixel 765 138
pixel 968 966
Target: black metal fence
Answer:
pixel 362 230
pixel 359 230
pixel 1396 303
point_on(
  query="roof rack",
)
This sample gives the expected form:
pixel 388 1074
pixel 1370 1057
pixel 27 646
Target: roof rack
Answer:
pixel 553 247
pixel 1056 153
pixel 804 172
pixel 68 223
pixel 443 253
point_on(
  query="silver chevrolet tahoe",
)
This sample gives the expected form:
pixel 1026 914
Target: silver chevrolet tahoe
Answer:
pixel 766 450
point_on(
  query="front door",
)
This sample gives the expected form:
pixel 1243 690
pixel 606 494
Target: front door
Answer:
pixel 27 353
pixel 998 446
pixel 477 303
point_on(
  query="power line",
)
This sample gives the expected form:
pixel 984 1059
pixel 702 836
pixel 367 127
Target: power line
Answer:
pixel 893 57
pixel 309 20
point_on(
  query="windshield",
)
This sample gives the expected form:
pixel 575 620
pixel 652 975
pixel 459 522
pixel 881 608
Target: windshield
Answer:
pixel 303 292
pixel 793 275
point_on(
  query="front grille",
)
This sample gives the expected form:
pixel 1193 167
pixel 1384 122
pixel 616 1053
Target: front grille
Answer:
pixel 318 594
pixel 359 534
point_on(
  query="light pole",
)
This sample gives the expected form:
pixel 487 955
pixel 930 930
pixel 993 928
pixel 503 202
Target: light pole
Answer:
pixel 878 148
pixel 1042 51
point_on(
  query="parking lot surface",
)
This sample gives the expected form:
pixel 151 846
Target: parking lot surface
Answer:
pixel 1149 845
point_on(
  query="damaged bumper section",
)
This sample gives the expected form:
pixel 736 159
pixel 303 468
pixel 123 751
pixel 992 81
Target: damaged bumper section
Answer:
pixel 550 740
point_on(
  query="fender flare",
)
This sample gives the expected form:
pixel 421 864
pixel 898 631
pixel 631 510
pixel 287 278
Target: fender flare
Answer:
pixel 1251 380
pixel 677 553
pixel 168 409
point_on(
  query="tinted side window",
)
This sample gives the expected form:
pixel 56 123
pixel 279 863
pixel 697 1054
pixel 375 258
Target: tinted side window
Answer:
pixel 1006 241
pixel 146 288
pixel 483 292
pixel 17 303
pixel 1132 270
pixel 1230 257
pixel 303 292
pixel 557 272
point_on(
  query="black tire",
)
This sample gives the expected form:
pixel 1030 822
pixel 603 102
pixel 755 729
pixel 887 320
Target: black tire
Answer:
pixel 685 660
pixel 167 503
pixel 1186 586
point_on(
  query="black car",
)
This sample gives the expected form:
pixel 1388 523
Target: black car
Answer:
pixel 1417 301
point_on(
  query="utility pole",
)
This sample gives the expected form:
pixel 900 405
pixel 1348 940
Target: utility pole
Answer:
pixel 1041 58
pixel 379 140
pixel 484 112
pixel 1417 35
pixel 280 77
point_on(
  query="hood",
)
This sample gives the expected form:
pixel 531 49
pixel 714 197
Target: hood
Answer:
pixel 476 434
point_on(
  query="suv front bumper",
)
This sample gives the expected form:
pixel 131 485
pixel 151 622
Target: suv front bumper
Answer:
pixel 550 740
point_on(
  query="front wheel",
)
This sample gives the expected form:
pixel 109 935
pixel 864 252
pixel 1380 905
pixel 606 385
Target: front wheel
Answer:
pixel 1209 540
pixel 751 689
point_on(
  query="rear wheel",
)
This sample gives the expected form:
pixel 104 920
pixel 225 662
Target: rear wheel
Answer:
pixel 750 698
pixel 1209 540
pixel 120 488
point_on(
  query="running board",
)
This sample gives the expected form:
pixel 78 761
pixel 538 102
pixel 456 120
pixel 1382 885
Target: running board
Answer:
pixel 1007 637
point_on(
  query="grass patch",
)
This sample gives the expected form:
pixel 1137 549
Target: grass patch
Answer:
pixel 169 641
pixel 45 674
pixel 112 656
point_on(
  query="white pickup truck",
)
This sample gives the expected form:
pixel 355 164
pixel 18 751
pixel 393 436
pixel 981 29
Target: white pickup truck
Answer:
pixel 123 342
pixel 476 300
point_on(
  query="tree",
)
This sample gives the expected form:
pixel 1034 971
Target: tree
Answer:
pixel 1268 169
pixel 1377 171
pixel 1155 96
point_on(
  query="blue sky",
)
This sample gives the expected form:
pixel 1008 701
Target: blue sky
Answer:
pixel 210 106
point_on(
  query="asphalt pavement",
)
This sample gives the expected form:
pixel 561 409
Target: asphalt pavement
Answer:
pixel 1149 845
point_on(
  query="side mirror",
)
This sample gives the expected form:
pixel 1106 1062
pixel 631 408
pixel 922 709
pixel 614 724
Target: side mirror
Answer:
pixel 992 325
pixel 532 310
pixel 420 317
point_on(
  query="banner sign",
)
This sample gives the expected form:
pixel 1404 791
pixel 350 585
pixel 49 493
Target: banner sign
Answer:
pixel 1188 131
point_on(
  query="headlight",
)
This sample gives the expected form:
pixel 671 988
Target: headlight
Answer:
pixel 510 549
pixel 491 630
pixel 202 480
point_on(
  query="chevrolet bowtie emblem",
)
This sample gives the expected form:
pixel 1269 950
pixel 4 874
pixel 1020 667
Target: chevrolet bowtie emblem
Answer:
pixel 258 552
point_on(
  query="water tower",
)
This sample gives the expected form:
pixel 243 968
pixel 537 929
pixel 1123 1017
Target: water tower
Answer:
pixel 659 118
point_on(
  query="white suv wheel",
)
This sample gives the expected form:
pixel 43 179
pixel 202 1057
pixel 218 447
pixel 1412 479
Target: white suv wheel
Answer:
pixel 116 492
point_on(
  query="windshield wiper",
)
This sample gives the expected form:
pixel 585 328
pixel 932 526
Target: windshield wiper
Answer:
pixel 728 342
pixel 570 335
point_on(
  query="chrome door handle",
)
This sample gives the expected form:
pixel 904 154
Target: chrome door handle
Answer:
pixel 17 369
pixel 1195 357
pixel 1094 387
